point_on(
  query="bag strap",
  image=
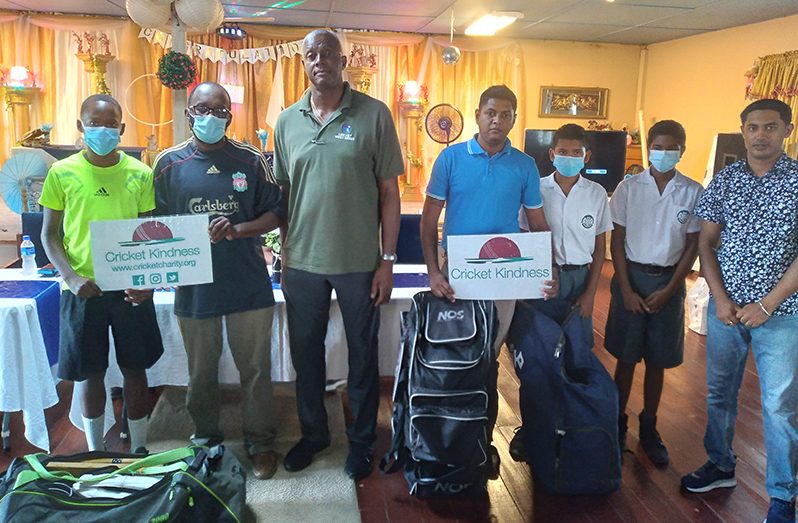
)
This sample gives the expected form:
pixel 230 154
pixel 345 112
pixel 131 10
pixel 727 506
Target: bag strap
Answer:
pixel 160 463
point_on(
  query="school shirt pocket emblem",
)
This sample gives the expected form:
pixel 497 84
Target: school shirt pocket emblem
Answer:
pixel 240 182
pixel 588 221
pixel 682 216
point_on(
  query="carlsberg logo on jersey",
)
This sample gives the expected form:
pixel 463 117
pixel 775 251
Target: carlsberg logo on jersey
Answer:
pixel 496 267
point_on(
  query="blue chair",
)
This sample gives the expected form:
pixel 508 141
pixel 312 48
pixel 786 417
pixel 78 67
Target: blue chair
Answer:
pixel 408 248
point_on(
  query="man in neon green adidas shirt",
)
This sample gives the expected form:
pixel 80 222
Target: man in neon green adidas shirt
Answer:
pixel 100 183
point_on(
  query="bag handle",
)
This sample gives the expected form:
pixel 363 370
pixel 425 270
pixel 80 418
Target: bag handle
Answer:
pixel 154 464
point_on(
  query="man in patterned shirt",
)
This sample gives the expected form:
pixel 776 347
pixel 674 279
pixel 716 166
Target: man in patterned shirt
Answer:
pixel 750 209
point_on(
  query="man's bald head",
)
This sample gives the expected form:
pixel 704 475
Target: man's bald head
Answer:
pixel 322 35
pixel 207 91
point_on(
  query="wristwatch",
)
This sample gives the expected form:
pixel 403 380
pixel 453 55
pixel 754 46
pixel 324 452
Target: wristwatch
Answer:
pixel 389 257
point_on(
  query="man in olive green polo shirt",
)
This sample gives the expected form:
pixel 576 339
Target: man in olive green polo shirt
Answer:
pixel 337 157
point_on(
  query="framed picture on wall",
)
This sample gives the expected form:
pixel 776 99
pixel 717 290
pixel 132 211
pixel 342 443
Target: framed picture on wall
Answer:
pixel 573 102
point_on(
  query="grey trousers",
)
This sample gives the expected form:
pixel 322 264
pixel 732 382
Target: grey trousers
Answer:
pixel 249 336
pixel 307 297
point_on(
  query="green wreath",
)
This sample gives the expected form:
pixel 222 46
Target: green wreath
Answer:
pixel 176 70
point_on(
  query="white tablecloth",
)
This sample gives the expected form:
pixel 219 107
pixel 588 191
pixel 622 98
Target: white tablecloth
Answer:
pixel 26 382
pixel 172 368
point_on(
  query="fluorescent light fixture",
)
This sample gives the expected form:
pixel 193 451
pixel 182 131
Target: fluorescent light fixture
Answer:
pixel 489 24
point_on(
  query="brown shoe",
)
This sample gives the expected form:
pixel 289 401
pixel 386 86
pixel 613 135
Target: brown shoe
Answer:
pixel 264 464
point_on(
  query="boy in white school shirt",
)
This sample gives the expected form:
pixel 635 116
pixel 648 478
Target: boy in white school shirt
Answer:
pixel 579 216
pixel 654 245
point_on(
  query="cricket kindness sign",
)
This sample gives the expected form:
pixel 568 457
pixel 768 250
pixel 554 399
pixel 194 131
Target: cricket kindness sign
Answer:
pixel 148 253
pixel 492 267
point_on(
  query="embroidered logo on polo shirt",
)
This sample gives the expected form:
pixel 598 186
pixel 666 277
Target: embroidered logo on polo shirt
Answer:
pixel 240 182
pixel 212 170
pixel 683 215
pixel 345 133
pixel 101 192
pixel 588 221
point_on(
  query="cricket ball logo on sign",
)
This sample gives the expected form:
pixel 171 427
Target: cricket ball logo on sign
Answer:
pixel 152 232
pixel 499 250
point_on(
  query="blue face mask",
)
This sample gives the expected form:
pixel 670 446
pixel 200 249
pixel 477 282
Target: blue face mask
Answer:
pixel 209 128
pixel 101 140
pixel 664 161
pixel 568 165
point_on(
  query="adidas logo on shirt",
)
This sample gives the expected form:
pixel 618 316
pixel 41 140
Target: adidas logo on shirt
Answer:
pixel 101 192
pixel 212 170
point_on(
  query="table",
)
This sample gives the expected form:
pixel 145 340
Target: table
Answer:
pixel 172 368
pixel 28 347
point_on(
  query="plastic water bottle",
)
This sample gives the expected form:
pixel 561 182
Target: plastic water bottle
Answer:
pixel 28 252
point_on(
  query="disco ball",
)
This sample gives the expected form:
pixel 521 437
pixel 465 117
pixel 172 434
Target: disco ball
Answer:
pixel 450 55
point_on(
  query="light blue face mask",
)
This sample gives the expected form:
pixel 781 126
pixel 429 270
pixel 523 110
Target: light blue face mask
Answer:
pixel 101 140
pixel 209 128
pixel 568 165
pixel 664 161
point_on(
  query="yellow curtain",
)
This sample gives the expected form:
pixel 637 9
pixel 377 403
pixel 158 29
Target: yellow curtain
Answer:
pixel 777 77
pixel 29 46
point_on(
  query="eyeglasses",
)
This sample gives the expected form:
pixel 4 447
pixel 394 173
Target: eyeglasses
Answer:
pixel 204 110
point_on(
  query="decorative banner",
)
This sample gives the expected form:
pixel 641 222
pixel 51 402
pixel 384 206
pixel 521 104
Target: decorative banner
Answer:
pixel 148 253
pixel 215 54
pixel 491 267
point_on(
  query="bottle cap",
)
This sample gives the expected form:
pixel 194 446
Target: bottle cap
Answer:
pixel 25 238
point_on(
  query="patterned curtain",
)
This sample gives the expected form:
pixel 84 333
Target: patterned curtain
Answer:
pixel 776 76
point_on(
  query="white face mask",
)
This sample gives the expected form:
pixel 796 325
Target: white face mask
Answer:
pixel 664 161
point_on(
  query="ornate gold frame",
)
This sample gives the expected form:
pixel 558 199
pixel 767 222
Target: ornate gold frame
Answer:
pixel 573 102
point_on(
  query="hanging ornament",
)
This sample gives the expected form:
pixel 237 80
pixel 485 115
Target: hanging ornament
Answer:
pixel 451 53
pixel 202 15
pixel 147 14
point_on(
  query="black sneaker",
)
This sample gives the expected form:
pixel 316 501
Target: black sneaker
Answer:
pixel 708 477
pixel 358 463
pixel 301 454
pixel 517 448
pixel 651 442
pixel 781 511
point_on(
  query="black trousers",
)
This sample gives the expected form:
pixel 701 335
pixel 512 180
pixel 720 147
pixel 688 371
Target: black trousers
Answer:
pixel 307 297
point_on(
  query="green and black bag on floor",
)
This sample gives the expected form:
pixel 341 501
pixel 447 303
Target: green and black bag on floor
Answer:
pixel 191 484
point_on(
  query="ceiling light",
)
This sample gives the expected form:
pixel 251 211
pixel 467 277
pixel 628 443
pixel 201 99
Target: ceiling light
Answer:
pixel 489 24
pixel 232 32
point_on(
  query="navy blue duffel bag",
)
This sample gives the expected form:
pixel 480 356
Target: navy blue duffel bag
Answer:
pixel 569 403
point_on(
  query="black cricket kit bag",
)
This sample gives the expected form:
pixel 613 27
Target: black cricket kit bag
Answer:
pixel 440 401
pixel 191 484
pixel 569 403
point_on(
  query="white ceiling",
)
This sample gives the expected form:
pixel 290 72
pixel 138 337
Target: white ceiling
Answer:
pixel 623 21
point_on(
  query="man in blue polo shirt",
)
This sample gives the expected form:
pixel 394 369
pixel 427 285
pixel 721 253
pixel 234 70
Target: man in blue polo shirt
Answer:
pixel 483 182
